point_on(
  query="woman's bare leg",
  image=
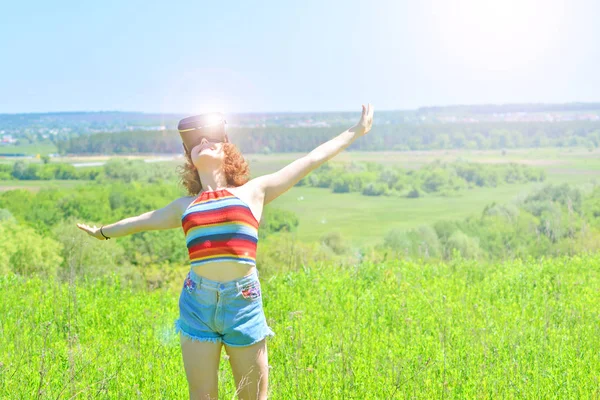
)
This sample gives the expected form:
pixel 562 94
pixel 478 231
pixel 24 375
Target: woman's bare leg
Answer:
pixel 250 369
pixel 201 363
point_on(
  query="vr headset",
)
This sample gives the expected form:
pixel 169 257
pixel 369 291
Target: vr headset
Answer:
pixel 209 126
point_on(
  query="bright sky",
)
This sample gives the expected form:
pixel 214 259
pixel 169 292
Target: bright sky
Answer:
pixel 273 56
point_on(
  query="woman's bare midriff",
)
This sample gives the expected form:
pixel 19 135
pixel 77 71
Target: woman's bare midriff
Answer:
pixel 223 271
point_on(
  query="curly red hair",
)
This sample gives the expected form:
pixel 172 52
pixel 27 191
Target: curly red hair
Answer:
pixel 235 168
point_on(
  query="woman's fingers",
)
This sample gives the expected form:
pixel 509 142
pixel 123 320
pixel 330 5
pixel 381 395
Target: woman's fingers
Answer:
pixel 87 229
pixel 367 111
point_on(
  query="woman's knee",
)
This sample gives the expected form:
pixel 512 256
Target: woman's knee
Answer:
pixel 203 393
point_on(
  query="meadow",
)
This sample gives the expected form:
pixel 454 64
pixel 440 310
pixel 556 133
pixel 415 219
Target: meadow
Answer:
pixel 523 329
pixel 380 328
pixel 363 219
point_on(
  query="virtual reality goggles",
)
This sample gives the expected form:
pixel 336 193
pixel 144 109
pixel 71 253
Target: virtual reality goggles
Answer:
pixel 209 126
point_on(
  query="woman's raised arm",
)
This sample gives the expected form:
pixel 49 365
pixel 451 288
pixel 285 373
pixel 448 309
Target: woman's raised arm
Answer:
pixel 275 184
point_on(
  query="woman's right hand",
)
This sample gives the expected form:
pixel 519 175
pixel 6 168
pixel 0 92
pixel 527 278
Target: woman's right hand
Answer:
pixel 366 120
pixel 92 231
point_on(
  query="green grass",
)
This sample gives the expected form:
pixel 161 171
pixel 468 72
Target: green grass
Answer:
pixel 30 149
pixel 525 330
pixel 365 219
pixel 561 164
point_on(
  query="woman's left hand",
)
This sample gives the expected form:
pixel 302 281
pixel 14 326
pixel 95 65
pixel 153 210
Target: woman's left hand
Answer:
pixel 366 121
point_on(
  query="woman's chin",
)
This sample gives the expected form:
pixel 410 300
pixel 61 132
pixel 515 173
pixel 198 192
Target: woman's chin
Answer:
pixel 206 159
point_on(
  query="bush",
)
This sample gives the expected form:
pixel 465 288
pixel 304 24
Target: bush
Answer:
pixel 85 256
pixel 427 241
pixel 282 253
pixel 341 184
pixel 506 211
pixel 335 242
pixel 398 240
pixel 277 220
pixel 375 189
pixel 468 247
pixel 6 215
pixel 6 172
pixel 435 180
pixel 24 252
pixel 414 193
pixel 421 242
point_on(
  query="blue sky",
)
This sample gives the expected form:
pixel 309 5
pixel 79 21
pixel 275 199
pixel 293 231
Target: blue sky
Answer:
pixel 274 56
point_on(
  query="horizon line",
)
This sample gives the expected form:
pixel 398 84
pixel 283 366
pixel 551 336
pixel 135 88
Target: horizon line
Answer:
pixel 309 111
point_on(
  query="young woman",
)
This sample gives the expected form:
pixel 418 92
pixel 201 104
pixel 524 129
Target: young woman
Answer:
pixel 221 303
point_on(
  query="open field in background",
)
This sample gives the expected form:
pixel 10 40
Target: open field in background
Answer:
pixel 38 148
pixel 464 330
pixel 558 162
pixel 363 219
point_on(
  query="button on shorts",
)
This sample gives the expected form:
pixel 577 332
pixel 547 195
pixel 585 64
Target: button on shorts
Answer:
pixel 229 312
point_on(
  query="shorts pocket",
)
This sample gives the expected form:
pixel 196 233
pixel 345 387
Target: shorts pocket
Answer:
pixel 250 291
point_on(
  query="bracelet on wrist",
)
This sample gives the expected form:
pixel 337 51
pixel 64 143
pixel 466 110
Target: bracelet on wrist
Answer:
pixel 102 233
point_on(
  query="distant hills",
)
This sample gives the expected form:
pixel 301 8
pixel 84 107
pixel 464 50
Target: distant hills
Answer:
pixel 509 108
pixel 64 125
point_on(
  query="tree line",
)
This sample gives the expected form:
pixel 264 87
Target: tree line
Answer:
pixel 368 178
pixel 484 135
pixel 437 178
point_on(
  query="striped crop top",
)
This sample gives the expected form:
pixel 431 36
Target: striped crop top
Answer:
pixel 219 226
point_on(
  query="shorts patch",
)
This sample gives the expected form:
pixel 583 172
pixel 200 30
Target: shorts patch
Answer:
pixel 189 284
pixel 251 290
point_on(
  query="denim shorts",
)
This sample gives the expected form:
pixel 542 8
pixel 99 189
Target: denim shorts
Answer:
pixel 230 312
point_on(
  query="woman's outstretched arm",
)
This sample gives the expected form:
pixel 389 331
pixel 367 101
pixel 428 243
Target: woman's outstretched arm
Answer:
pixel 168 217
pixel 275 184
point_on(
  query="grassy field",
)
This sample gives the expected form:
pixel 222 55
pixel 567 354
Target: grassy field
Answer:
pixel 365 220
pixel 525 330
pixel 33 149
pixel 561 164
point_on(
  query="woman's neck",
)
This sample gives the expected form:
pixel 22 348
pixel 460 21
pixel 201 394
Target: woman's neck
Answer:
pixel 212 181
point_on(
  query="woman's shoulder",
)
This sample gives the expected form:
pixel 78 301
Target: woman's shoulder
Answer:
pixel 246 195
pixel 184 202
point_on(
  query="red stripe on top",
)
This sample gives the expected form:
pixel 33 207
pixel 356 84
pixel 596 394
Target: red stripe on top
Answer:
pixel 243 245
pixel 238 251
